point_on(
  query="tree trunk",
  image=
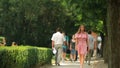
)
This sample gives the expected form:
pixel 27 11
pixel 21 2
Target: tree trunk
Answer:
pixel 105 43
pixel 106 50
pixel 113 25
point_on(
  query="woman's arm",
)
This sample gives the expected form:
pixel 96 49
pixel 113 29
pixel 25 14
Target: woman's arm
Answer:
pixel 70 46
pixel 76 43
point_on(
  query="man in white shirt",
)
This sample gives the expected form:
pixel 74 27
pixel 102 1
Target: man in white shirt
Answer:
pixel 57 41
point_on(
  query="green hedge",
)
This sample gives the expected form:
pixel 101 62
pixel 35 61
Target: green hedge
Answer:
pixel 24 56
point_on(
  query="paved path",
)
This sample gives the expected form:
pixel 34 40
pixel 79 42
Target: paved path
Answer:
pixel 68 64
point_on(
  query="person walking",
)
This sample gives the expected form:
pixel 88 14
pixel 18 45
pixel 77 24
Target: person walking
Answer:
pixel 57 42
pixel 99 40
pixel 72 49
pixel 82 43
pixel 91 47
pixel 94 34
pixel 64 48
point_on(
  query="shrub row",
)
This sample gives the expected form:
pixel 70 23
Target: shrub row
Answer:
pixel 24 56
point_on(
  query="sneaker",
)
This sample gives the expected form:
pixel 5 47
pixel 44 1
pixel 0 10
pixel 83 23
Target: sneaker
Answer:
pixel 58 64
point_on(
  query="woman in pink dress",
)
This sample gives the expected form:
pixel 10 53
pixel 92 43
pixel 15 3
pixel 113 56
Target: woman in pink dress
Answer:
pixel 82 43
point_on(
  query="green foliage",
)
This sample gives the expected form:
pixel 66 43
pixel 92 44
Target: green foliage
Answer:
pixel 93 13
pixel 24 56
pixel 33 22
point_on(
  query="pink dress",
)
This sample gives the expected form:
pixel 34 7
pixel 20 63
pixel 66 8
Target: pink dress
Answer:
pixel 82 43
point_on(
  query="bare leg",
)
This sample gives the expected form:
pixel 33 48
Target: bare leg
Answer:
pixel 63 56
pixel 74 57
pixel 82 58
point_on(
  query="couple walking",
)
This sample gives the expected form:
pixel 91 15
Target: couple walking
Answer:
pixel 81 41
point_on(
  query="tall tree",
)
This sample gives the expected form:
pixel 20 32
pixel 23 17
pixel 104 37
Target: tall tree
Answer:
pixel 113 25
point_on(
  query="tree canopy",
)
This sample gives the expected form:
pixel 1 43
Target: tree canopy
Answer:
pixel 33 22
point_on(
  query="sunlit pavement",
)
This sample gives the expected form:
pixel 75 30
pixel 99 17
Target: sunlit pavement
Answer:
pixel 69 64
pixel 95 63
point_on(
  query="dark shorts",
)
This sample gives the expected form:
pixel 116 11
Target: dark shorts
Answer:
pixel 73 51
pixel 64 48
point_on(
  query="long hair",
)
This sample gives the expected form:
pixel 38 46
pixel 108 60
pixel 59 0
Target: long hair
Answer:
pixel 79 29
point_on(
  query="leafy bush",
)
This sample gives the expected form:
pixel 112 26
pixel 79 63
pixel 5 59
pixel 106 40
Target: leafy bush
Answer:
pixel 24 56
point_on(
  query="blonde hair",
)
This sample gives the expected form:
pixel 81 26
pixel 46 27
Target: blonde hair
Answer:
pixel 79 30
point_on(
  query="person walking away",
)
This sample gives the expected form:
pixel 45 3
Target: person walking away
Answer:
pixel 64 48
pixel 99 39
pixel 91 47
pixel 82 43
pixel 72 49
pixel 95 44
pixel 57 42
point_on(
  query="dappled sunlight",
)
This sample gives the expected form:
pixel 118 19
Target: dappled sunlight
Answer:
pixel 95 63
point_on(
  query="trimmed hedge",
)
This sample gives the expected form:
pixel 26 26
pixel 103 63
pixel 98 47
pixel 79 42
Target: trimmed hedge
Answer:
pixel 24 56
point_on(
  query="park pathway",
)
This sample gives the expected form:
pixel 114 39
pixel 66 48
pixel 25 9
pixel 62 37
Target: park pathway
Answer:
pixel 95 63
pixel 69 64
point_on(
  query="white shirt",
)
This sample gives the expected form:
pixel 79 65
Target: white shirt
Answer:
pixel 58 38
pixel 99 38
pixel 99 42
